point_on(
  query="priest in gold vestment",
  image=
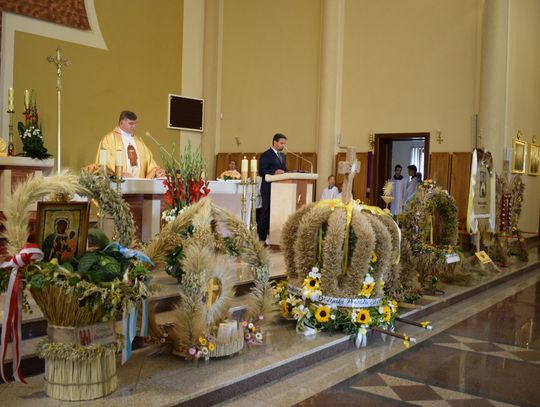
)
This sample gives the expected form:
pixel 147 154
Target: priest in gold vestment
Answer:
pixel 137 159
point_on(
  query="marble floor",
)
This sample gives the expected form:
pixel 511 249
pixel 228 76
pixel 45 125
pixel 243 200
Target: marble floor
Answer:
pixel 484 351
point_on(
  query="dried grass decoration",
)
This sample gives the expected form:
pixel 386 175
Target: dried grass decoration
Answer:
pixel 430 231
pixel 79 298
pixel 338 257
pixel 200 327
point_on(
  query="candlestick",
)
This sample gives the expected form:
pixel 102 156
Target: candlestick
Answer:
pixel 11 147
pixel 119 154
pixel 253 168
pixel 103 156
pixel 244 169
pixel 26 99
pixel 11 103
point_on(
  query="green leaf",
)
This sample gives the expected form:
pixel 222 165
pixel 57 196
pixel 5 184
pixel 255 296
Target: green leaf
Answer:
pixel 87 261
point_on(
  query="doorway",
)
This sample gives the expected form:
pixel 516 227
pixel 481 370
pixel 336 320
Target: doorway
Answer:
pixel 397 148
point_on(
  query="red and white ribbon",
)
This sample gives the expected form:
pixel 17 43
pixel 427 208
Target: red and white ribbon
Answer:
pixel 12 321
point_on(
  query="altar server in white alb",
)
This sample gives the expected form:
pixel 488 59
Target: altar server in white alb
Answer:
pixel 398 191
pixel 331 192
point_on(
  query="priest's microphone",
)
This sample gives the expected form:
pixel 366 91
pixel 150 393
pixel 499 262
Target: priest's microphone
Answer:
pixel 161 147
pixel 299 156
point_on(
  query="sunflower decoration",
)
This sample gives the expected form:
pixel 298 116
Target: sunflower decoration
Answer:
pixel 322 314
pixel 386 313
pixel 362 317
pixel 367 286
pixel 312 285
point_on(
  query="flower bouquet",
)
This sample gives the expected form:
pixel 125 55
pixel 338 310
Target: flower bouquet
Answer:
pixel 230 175
pixel 185 185
pixel 30 131
pixel 80 296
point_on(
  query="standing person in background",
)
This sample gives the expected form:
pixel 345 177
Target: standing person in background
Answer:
pixel 331 192
pixel 413 183
pixel 272 162
pixel 398 190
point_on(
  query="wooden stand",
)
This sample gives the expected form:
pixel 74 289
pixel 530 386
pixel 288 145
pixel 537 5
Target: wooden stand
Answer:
pixel 290 191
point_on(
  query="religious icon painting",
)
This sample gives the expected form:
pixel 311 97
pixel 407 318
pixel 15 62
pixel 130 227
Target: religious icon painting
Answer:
pixel 534 159
pixel 519 155
pixel 62 229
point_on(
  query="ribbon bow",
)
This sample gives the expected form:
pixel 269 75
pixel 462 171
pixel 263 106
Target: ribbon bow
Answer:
pixel 131 253
pixel 12 321
pixel 129 319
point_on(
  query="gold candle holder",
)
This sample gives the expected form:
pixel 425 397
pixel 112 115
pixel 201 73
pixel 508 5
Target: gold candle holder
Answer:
pixel 243 200
pixel 11 147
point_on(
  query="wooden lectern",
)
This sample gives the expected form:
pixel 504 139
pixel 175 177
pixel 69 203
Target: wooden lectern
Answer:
pixel 290 191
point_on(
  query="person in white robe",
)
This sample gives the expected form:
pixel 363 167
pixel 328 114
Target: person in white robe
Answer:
pixel 398 190
pixel 331 192
pixel 412 184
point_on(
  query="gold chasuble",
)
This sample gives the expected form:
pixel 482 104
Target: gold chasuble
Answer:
pixel 145 160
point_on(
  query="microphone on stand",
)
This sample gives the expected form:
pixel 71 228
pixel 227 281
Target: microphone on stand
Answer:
pixel 162 148
pixel 299 156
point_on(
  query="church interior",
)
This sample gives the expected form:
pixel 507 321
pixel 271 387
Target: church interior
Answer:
pixel 270 203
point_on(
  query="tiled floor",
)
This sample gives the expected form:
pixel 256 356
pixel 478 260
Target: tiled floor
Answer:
pixel 489 359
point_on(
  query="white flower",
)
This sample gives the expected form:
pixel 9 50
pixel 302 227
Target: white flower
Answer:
pixel 332 316
pixel 314 273
pixel 250 325
pixel 368 279
pixel 258 336
pixel 204 351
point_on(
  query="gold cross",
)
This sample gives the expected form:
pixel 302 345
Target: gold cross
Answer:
pixel 349 168
pixel 59 62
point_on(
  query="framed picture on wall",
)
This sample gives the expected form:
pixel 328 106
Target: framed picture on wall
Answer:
pixel 62 229
pixel 534 158
pixel 519 155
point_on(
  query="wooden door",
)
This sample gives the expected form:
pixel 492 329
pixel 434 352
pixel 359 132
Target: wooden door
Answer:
pixel 439 169
pixel 459 183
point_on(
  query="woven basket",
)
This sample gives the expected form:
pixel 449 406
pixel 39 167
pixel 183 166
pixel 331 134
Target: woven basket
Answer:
pixel 74 380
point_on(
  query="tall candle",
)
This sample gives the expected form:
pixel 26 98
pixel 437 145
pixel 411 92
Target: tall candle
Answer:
pixel 119 154
pixel 244 169
pixel 103 156
pixel 253 167
pixel 10 100
pixel 26 99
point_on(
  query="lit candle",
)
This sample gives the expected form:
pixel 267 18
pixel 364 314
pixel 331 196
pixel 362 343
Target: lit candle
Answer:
pixel 103 156
pixel 244 169
pixel 119 154
pixel 26 99
pixel 10 100
pixel 253 166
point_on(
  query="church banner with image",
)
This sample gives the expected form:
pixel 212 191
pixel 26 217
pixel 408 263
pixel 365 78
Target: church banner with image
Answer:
pixel 481 192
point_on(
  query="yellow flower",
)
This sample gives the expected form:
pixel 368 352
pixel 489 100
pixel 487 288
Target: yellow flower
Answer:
pixel 406 342
pixel 363 317
pixel 284 308
pixel 367 288
pixel 311 284
pixel 373 257
pixel 322 314
pixel 202 341
pixel 425 324
pixel 211 347
pixel 395 304
pixel 386 313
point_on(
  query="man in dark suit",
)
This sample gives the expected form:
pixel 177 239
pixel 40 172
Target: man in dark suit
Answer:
pixel 272 162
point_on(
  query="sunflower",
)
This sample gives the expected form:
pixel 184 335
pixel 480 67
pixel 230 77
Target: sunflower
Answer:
pixel 367 288
pixel 311 283
pixel 284 308
pixel 322 314
pixel 202 341
pixel 211 347
pixel 386 313
pixel 363 317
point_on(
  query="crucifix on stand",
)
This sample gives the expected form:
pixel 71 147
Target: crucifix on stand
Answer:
pixel 349 168
pixel 59 62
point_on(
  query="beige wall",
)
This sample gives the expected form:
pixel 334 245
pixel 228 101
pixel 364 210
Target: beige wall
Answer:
pixel 141 66
pixel 270 73
pixel 524 93
pixel 410 66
